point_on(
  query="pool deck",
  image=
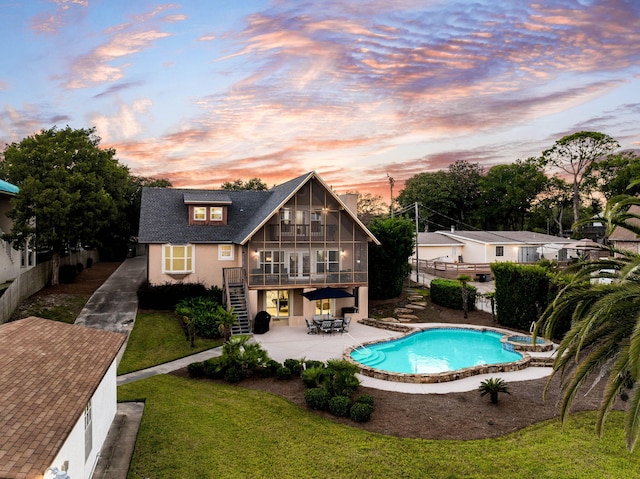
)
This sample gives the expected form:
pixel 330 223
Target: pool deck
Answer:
pixel 284 342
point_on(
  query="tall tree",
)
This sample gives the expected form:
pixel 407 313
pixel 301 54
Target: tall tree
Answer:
pixel 616 174
pixel 253 184
pixel 508 192
pixel 68 184
pixel 389 261
pixel 574 154
pixel 465 188
pixel 433 192
pixel 370 206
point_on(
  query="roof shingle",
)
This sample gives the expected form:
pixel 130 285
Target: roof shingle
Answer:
pixel 48 372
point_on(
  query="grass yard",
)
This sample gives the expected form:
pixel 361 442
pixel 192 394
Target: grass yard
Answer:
pixel 157 338
pixel 198 429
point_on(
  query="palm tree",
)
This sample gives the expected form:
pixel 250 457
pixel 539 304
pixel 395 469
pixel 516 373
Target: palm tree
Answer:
pixel 464 279
pixel 604 339
pixel 226 319
pixel 492 387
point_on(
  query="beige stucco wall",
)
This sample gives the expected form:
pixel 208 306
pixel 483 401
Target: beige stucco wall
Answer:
pixel 207 266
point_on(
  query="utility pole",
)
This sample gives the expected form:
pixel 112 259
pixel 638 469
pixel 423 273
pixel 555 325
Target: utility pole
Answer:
pixel 391 183
pixel 417 258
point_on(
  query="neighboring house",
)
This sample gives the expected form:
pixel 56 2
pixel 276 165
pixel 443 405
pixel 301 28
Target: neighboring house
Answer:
pixel 490 246
pixel 622 238
pixel 58 397
pixel 12 262
pixel 263 248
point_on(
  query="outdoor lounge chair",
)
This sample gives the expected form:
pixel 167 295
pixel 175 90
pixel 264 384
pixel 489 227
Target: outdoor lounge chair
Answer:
pixel 312 328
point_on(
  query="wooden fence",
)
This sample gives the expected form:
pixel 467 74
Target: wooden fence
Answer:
pixel 34 279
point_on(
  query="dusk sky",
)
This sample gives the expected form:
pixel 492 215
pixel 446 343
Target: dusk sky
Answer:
pixel 203 92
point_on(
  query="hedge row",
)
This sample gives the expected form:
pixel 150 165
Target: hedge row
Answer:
pixel 166 296
pixel 522 293
pixel 448 293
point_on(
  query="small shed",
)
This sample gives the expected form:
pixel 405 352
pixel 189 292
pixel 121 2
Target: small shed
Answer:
pixel 58 396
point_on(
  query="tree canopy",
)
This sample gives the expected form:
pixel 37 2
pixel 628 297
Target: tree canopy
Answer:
pixel 253 184
pixel 389 261
pixel 71 187
pixel 72 192
pixel 574 155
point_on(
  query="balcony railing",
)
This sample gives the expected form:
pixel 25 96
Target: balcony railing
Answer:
pixel 314 232
pixel 257 278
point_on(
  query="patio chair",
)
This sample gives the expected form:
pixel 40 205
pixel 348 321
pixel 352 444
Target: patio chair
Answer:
pixel 312 328
pixel 338 325
pixel 327 326
pixel 346 323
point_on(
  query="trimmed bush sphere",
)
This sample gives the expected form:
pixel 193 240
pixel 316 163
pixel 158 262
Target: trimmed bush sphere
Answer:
pixel 340 406
pixel 361 412
pixel 317 398
pixel 283 373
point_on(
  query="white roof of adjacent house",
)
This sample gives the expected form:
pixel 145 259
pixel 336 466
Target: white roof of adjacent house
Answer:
pixel 436 239
pixel 504 237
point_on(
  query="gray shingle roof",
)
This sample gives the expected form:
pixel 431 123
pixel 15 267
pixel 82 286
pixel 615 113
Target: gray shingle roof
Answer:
pixel 164 215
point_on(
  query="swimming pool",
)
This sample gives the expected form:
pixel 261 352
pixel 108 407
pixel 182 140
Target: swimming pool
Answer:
pixel 438 355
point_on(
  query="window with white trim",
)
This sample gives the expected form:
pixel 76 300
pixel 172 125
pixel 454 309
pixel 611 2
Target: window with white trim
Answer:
pixel 215 213
pixel 177 258
pixel 199 213
pixel 225 252
pixel 88 430
pixel 499 250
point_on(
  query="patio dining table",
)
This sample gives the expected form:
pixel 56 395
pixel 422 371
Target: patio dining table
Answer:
pixel 318 321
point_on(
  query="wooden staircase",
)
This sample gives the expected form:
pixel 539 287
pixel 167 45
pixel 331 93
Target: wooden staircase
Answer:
pixel 235 295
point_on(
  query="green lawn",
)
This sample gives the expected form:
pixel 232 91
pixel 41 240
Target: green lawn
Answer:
pixel 198 429
pixel 156 339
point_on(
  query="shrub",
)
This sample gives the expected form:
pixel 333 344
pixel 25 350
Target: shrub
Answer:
pixel 196 370
pixel 340 406
pixel 448 293
pixel 67 273
pixel 315 377
pixel 233 375
pixel 317 398
pixel 522 293
pixel 166 296
pixel 365 399
pixel 271 367
pixel 79 267
pixel 360 412
pixel 89 263
pixel 312 363
pixel 342 379
pixel 492 387
pixel 295 365
pixel 200 314
pixel 214 368
pixel 283 373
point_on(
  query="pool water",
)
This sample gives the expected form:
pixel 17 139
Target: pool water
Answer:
pixel 436 350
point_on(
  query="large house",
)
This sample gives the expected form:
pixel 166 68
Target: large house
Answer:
pixel 13 262
pixel 58 397
pixel 263 248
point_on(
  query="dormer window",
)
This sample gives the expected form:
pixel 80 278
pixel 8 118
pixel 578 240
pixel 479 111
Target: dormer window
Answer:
pixel 216 213
pixel 207 207
pixel 199 213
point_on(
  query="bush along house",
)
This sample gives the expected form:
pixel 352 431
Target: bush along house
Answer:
pixel 263 248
